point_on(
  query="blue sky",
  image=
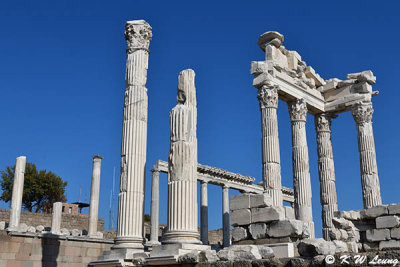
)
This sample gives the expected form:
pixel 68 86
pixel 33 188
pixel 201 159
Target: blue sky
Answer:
pixel 62 67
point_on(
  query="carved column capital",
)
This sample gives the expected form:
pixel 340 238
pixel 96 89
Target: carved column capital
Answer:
pixel 323 122
pixel 268 96
pixel 362 112
pixel 298 110
pixel 138 35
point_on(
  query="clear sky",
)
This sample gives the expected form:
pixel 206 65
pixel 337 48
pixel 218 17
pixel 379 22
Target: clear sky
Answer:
pixel 62 67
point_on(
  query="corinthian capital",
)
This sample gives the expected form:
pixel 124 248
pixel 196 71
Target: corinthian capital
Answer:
pixel 268 96
pixel 362 112
pixel 323 122
pixel 298 110
pixel 137 35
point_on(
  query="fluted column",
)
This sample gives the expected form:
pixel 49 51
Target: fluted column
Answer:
pixel 17 193
pixel 204 213
pixel 226 236
pixel 362 113
pixel 271 169
pixel 301 173
pixel 94 196
pixel 182 166
pixel 155 206
pixel 326 170
pixel 134 137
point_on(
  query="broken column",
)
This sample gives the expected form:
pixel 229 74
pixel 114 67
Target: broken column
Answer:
pixel 326 169
pixel 301 173
pixel 94 197
pixel 226 237
pixel 155 205
pixel 182 166
pixel 134 138
pixel 362 113
pixel 56 218
pixel 204 213
pixel 17 193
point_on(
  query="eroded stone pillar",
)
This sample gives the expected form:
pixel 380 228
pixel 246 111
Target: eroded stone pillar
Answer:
pixel 271 169
pixel 155 206
pixel 17 193
pixel 204 213
pixel 94 196
pixel 301 173
pixel 362 113
pixel 226 237
pixel 134 138
pixel 326 169
pixel 182 164
pixel 56 218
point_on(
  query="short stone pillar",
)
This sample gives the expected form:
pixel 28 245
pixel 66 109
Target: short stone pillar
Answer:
pixel 204 213
pixel 326 169
pixel 371 190
pixel 56 218
pixel 155 206
pixel 226 236
pixel 94 196
pixel 17 192
pixel 301 173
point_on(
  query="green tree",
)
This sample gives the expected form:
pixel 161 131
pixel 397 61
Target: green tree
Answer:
pixel 147 218
pixel 41 188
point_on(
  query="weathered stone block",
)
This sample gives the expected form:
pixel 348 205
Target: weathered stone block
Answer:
pixel 352 247
pixel 76 232
pixel 342 223
pixel 241 201
pixel 267 214
pixel 258 230
pixel 314 247
pixel 389 244
pixel 375 211
pixel 369 246
pixel 31 229
pixel 260 200
pixel 289 213
pixel 395 233
pixel 39 228
pixel 387 221
pixel 285 228
pixel 2 225
pixel 239 233
pixel 239 252
pixel 340 246
pixel 378 235
pixel 240 217
pixel 394 209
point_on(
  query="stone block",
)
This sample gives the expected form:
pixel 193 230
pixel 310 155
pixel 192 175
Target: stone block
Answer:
pixel 340 246
pixel 258 230
pixel 65 231
pixel 289 213
pixel 314 247
pixel 31 229
pixel 389 244
pixel 240 217
pixel 394 209
pixel 364 76
pixel 387 221
pixel 76 232
pixel 239 233
pixel 310 73
pixel 241 201
pixel 2 225
pixel 342 223
pixel 267 214
pixel 352 247
pixel 39 228
pixel 378 235
pixel 239 252
pixel 370 246
pixel 265 251
pixel 208 256
pixel 260 200
pixel 285 228
pixel 375 211
pixel 22 227
pixel 395 233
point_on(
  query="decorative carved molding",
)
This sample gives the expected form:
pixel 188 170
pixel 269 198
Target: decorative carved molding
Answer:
pixel 362 112
pixel 268 96
pixel 323 122
pixel 138 35
pixel 298 110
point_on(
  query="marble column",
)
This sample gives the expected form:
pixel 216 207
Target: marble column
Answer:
pixel 182 166
pixel 362 113
pixel 17 192
pixel 226 236
pixel 326 170
pixel 155 206
pixel 94 196
pixel 134 138
pixel 271 169
pixel 301 173
pixel 56 218
pixel 204 213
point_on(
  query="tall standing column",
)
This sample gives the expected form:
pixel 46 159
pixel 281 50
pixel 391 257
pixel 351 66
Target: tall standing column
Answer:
pixel 226 236
pixel 134 138
pixel 56 218
pixel 17 192
pixel 94 196
pixel 362 113
pixel 301 173
pixel 326 169
pixel 182 166
pixel 271 169
pixel 204 213
pixel 155 206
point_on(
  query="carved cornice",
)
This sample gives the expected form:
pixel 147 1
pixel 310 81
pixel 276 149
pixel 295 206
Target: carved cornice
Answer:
pixel 137 35
pixel 298 110
pixel 323 122
pixel 362 112
pixel 268 96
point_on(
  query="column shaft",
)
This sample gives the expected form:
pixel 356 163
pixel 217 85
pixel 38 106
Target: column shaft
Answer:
pixel 17 193
pixel 362 113
pixel 226 236
pixel 326 169
pixel 56 218
pixel 94 196
pixel 204 213
pixel 271 170
pixel 301 173
pixel 155 205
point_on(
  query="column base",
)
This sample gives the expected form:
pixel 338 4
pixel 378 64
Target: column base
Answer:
pixel 170 253
pixel 181 237
pixel 129 243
